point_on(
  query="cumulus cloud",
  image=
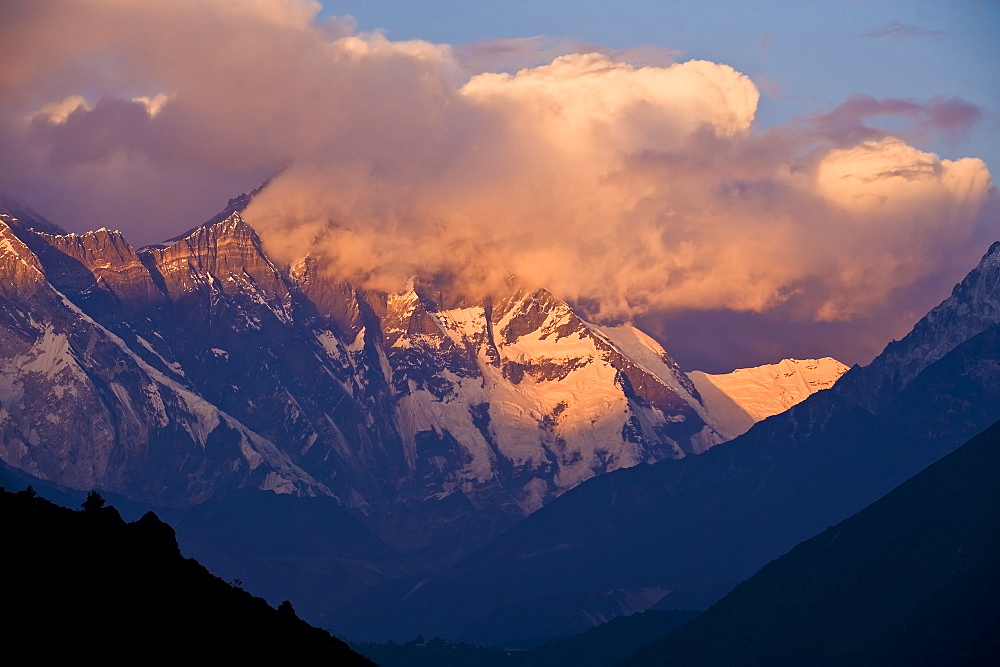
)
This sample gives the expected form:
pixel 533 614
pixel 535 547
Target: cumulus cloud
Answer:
pixel 624 186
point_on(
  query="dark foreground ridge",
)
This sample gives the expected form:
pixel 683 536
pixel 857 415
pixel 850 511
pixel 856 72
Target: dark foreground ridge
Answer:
pixel 911 580
pixel 90 583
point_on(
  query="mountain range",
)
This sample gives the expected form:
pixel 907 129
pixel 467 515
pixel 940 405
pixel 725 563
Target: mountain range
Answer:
pixel 486 470
pixel 174 374
pixel 681 533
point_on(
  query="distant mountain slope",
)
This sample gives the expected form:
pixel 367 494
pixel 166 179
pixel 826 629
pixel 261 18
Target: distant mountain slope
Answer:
pixel 604 645
pixel 738 400
pixel 680 534
pixel 912 579
pixel 87 581
pixel 312 551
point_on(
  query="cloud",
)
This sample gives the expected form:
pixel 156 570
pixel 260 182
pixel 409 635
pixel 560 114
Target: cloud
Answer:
pixel 534 183
pixel 153 104
pixel 511 55
pixel 896 208
pixel 950 116
pixel 765 45
pixel 628 188
pixel 90 134
pixel 56 113
pixel 899 30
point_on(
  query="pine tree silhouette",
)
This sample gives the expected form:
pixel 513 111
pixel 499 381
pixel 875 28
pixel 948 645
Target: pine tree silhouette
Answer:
pixel 94 502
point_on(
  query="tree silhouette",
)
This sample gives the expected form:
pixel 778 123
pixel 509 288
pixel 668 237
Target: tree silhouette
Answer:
pixel 285 608
pixel 93 503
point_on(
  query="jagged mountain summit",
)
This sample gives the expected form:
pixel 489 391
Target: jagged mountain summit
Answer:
pixel 740 399
pixel 478 380
pixel 81 406
pixel 177 372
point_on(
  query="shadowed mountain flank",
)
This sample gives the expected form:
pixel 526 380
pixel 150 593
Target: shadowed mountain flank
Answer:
pixel 912 579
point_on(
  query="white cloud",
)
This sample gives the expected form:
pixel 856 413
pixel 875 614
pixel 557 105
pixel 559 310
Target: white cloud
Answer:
pixel 56 113
pixel 153 104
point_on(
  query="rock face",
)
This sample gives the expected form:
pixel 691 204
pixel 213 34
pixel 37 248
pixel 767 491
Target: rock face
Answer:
pixel 175 372
pixel 740 399
pixel 80 406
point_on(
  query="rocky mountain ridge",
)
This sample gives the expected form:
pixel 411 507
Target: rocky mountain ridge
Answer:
pixel 79 405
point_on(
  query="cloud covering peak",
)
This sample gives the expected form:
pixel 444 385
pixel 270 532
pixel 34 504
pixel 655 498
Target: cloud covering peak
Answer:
pixel 625 188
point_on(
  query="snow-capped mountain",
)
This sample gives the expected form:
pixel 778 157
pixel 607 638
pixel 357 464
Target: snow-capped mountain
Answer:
pixel 706 522
pixel 738 400
pixel 173 372
pixel 79 406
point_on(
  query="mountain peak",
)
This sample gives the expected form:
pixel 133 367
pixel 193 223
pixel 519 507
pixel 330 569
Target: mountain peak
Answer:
pixel 18 264
pixel 502 400
pixel 234 206
pixel 96 237
pixel 739 399
pixel 972 307
pixel 232 225
pixel 213 239
pixel 18 214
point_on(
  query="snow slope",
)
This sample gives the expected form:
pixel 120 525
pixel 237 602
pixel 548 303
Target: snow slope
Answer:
pixel 738 400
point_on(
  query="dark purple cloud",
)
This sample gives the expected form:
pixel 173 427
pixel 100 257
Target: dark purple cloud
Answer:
pixel 92 135
pixel 849 122
pixel 511 55
pixel 900 30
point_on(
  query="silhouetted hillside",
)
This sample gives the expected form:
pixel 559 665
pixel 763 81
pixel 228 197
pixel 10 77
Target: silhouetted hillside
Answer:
pixel 911 580
pixel 87 583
